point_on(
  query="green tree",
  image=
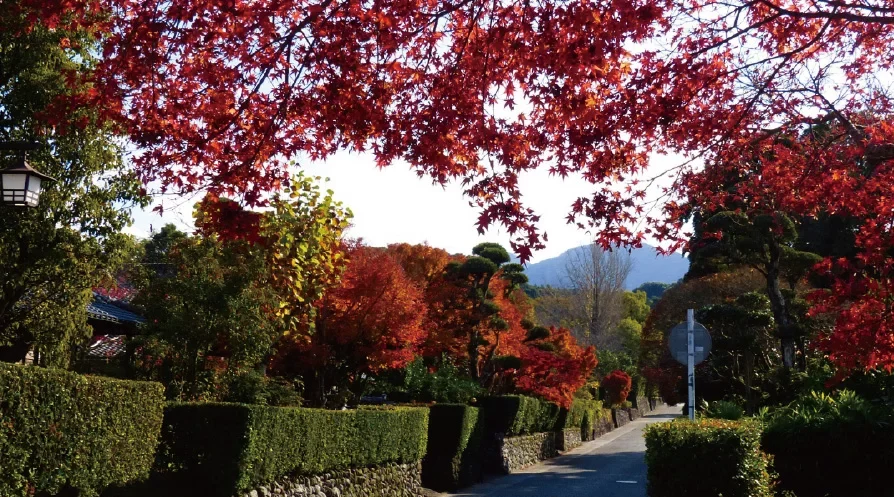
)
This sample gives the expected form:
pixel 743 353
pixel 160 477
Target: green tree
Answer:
pixel 636 306
pixel 474 275
pixel 653 290
pixel 742 349
pixel 214 304
pixel 51 255
pixel 764 242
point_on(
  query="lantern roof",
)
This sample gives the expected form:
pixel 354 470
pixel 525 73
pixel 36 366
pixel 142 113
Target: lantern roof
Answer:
pixel 22 167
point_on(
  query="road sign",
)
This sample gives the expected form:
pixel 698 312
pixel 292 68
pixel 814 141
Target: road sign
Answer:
pixel 689 344
pixel 678 346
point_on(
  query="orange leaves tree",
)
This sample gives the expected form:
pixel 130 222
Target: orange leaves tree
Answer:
pixel 555 366
pixel 369 323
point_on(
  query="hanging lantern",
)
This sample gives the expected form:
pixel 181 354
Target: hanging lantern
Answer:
pixel 20 185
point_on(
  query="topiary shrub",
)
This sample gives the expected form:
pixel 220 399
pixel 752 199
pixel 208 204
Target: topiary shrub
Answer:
pixel 453 457
pixel 60 429
pixel 617 387
pixel 840 435
pixel 520 415
pixel 706 458
pixel 221 449
pixel 584 415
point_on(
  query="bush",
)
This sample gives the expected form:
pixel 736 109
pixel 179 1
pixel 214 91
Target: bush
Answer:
pixel 520 415
pixel 617 387
pixel 221 449
pixel 584 414
pixel 726 455
pixel 252 387
pixel 453 457
pixel 447 384
pixel 723 409
pixel 841 435
pixel 61 429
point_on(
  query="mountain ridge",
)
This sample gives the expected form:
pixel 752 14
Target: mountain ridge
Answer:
pixel 648 265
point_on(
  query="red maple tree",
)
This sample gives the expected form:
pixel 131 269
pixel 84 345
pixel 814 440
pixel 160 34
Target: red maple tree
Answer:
pixel 222 94
pixel 370 322
pixel 556 372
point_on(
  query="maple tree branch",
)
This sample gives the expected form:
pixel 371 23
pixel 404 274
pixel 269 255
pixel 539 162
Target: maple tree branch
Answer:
pixel 838 16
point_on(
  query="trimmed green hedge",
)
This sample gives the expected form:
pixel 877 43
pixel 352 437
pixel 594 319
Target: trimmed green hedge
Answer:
pixel 60 429
pixel 520 415
pixel 584 414
pixel 223 448
pixel 453 457
pixel 706 458
pixel 839 435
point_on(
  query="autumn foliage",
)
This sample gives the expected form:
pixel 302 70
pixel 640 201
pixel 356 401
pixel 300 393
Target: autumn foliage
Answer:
pixel 617 387
pixel 222 95
pixel 557 371
pixel 368 323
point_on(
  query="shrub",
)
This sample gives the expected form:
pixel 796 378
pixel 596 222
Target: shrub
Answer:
pixel 584 414
pixel 520 415
pixel 221 449
pixel 61 429
pixel 726 454
pixel 252 387
pixel 448 384
pixel 841 435
pixel 723 409
pixel 453 457
pixel 617 387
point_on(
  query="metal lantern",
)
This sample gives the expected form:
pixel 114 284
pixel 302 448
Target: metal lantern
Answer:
pixel 20 184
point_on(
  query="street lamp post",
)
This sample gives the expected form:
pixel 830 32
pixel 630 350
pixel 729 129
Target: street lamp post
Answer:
pixel 20 184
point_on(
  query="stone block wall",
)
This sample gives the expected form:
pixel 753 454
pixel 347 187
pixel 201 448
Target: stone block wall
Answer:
pixel 519 452
pixel 621 417
pixel 569 438
pixel 390 480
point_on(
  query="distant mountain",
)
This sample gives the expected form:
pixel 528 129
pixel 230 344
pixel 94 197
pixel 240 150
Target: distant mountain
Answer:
pixel 648 265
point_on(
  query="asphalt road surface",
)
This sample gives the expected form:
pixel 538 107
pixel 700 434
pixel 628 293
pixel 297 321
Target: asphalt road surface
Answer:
pixel 611 466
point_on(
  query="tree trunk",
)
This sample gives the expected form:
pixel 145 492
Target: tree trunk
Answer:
pixel 784 329
pixel 749 393
pixel 474 338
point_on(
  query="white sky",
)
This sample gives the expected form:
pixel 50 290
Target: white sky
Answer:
pixel 394 205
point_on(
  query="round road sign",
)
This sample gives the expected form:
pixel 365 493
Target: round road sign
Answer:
pixel 679 347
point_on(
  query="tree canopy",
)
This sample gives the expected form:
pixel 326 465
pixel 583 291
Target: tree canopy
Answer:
pixel 222 95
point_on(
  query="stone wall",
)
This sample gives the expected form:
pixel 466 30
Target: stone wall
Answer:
pixel 621 417
pixel 390 480
pixel 569 438
pixel 515 453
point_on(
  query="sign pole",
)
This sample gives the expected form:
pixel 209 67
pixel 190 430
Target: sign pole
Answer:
pixel 690 363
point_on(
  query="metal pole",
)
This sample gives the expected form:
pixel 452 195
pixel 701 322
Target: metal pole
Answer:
pixel 690 362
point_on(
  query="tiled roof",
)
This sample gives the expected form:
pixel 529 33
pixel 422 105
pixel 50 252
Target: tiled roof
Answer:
pixel 106 346
pixel 102 308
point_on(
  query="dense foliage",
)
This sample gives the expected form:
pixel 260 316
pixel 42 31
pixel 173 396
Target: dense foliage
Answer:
pixel 51 255
pixel 839 434
pixel 369 323
pixel 219 449
pixel 726 453
pixel 519 414
pixel 60 429
pixel 453 457
pixel 617 387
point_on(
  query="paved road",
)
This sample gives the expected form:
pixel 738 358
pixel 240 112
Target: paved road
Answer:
pixel 612 466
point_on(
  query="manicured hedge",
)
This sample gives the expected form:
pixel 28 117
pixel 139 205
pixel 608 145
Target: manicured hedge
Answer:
pixel 61 429
pixel 835 447
pixel 706 458
pixel 585 414
pixel 453 457
pixel 221 449
pixel 520 415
